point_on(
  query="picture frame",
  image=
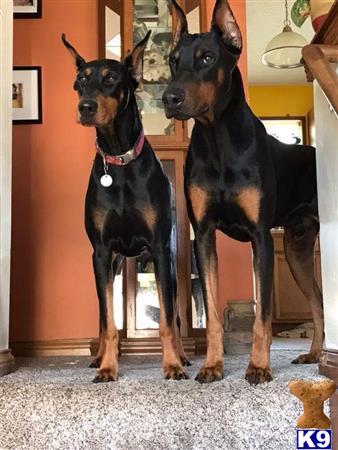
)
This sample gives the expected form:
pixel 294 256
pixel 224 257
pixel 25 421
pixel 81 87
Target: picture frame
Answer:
pixel 26 95
pixel 27 9
pixel 287 129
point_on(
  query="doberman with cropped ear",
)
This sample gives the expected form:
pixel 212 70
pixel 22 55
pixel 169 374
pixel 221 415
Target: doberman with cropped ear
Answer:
pixel 128 202
pixel 242 181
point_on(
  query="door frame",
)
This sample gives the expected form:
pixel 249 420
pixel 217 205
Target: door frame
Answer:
pixel 6 71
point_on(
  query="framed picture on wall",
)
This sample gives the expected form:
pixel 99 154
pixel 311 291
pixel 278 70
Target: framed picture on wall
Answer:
pixel 27 9
pixel 289 129
pixel 26 95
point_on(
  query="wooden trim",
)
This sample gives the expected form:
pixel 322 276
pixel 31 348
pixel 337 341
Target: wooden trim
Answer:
pixel 317 62
pixel 101 33
pixel 7 363
pixel 329 364
pixel 89 346
pixel 152 346
pixel 204 17
pixel 114 5
pixel 127 18
pixel 189 5
pixel 57 347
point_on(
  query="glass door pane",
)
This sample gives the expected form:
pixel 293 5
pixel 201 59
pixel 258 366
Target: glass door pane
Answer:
pixel 118 299
pixel 147 303
pixel 194 19
pixel 113 31
pixel 154 15
pixel 198 310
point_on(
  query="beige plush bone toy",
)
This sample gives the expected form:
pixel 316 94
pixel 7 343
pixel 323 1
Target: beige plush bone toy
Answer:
pixel 313 395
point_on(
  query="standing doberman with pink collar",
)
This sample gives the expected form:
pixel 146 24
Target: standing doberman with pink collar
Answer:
pixel 128 202
pixel 242 181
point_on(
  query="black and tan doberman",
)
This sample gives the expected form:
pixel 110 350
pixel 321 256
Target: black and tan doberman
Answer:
pixel 242 181
pixel 128 202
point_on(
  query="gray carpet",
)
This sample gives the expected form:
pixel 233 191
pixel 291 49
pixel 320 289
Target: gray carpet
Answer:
pixel 50 403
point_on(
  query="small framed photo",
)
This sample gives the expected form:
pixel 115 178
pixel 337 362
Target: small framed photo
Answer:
pixel 27 9
pixel 26 95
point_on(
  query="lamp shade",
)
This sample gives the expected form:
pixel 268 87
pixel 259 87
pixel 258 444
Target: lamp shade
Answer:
pixel 284 50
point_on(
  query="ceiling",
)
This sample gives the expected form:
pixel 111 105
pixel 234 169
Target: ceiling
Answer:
pixel 264 20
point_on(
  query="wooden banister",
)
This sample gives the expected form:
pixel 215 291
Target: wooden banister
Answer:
pixel 317 59
pixel 322 51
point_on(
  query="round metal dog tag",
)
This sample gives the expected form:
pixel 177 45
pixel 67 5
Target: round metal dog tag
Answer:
pixel 106 180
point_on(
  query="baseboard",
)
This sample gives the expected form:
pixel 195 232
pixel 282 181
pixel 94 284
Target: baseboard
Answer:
pixel 7 363
pixel 152 346
pixel 89 346
pixel 57 347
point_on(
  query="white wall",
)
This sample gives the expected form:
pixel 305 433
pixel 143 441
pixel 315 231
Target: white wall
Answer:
pixel 326 123
pixel 6 43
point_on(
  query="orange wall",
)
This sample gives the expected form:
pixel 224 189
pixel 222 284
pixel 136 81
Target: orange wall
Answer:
pixel 234 258
pixel 52 288
pixel 52 283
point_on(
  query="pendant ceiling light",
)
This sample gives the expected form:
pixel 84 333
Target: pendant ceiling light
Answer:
pixel 284 50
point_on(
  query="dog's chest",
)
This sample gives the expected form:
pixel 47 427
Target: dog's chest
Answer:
pixel 230 196
pixel 129 231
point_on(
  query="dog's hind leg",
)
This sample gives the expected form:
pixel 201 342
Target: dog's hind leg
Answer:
pixel 172 365
pixel 98 358
pixel 179 344
pixel 177 320
pixel 104 266
pixel 259 369
pixel 299 242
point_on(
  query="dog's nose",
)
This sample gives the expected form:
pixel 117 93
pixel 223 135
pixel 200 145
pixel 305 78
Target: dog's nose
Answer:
pixel 173 99
pixel 87 107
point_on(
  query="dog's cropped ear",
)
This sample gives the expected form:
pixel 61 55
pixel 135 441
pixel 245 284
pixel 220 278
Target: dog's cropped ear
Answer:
pixel 224 23
pixel 181 23
pixel 134 61
pixel 79 61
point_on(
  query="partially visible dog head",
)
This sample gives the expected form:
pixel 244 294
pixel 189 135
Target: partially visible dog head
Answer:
pixel 105 86
pixel 202 64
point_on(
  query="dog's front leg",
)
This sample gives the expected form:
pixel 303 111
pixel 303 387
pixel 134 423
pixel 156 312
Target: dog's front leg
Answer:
pixel 205 249
pixel 172 365
pixel 108 352
pixel 259 369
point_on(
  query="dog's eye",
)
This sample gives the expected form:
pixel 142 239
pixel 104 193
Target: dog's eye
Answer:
pixel 109 81
pixel 207 59
pixel 83 80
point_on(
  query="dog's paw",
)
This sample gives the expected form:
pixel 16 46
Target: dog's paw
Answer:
pixel 106 374
pixel 256 375
pixel 210 374
pixel 185 361
pixel 307 358
pixel 174 372
pixel 96 363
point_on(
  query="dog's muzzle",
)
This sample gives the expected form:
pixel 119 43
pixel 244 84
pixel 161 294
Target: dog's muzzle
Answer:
pixel 88 109
pixel 173 100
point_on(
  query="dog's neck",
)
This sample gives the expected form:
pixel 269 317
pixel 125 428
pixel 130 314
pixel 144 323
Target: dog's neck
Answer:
pixel 123 132
pixel 233 101
pixel 232 118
